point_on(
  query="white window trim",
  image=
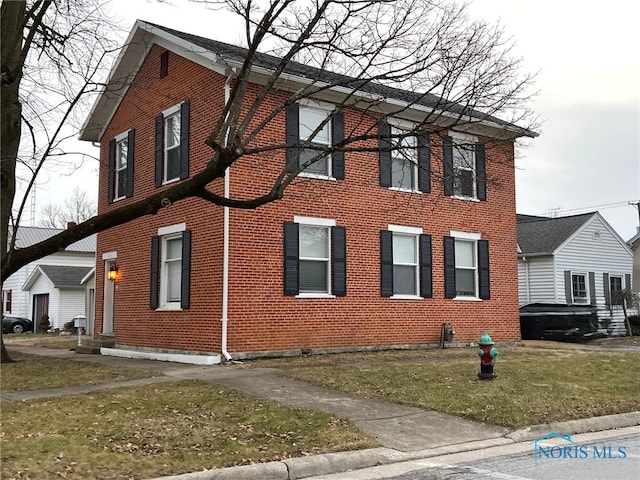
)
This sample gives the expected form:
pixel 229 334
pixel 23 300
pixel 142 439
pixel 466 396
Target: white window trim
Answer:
pixel 398 123
pixel 328 108
pixel 110 255
pixel 174 110
pixel 586 288
pixel 124 136
pixel 459 137
pixel 318 222
pixel 405 229
pixel 471 237
pixel 164 272
pixel 415 232
pixel 178 227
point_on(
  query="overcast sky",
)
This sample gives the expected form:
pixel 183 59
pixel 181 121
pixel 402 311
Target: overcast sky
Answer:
pixel 587 156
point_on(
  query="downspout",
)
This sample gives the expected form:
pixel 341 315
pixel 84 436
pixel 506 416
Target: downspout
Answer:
pixel 225 247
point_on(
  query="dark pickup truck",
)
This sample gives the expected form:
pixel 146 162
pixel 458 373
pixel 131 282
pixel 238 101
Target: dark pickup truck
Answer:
pixel 559 322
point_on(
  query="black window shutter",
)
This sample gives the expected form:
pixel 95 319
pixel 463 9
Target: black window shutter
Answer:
pixel 184 139
pixel 484 281
pixel 426 276
pixel 112 171
pixel 449 267
pixel 337 135
pixel 607 289
pixel 339 261
pixel 131 140
pixel 481 172
pixel 159 144
pixel 386 263
pixel 627 281
pixel 384 142
pixel 568 288
pixel 592 288
pixel 447 156
pixel 424 163
pixel 292 136
pixel 155 269
pixel 291 258
pixel 185 287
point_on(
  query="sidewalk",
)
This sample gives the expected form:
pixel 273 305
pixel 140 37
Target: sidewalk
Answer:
pixel 405 433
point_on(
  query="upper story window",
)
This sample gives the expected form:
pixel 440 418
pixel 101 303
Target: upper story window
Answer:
pixel 121 153
pixel 172 144
pixel 313 130
pixel 315 258
pixel 405 263
pixel 405 158
pixel 466 266
pixel 171 268
pixel 464 167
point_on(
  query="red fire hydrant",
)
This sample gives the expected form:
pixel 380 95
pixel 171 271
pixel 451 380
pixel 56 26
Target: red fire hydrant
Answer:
pixel 487 353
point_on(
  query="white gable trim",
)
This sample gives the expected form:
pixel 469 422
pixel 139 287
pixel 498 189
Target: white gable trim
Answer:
pixel 585 225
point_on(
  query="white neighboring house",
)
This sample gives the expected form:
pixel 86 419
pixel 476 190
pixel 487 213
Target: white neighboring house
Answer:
pixel 634 243
pixel 574 260
pixel 61 284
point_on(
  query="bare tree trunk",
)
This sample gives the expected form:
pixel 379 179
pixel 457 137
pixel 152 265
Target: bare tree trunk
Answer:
pixel 13 15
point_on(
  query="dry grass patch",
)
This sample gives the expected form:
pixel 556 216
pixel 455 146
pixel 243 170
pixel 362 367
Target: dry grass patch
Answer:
pixel 531 388
pixel 33 372
pixel 48 340
pixel 160 429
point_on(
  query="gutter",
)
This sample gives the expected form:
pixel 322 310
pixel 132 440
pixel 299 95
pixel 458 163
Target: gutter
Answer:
pixel 225 248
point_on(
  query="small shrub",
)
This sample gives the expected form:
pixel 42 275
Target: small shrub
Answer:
pixel 634 321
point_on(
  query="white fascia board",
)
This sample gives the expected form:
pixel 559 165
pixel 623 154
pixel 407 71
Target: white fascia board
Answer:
pixel 140 40
pixel 33 276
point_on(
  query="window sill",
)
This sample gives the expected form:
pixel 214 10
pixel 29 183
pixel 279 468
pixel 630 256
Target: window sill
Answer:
pixel 468 299
pixel 117 199
pixel 173 180
pixel 315 295
pixel 317 176
pixel 169 308
pixel 405 297
pixel 468 199
pixel 405 190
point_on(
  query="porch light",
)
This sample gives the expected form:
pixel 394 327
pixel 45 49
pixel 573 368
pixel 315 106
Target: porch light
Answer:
pixel 112 274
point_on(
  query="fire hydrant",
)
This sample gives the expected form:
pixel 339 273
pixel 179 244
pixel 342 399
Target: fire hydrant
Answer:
pixel 487 353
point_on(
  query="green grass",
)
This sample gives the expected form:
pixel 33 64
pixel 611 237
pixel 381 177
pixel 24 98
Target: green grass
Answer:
pixel 160 429
pixel 532 387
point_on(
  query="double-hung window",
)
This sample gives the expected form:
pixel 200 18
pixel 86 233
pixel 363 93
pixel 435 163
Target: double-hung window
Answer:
pixel 464 167
pixel 172 144
pixel 615 284
pixel 315 258
pixel 579 288
pixel 7 300
pixel 121 150
pixel 314 133
pixel 466 266
pixel 171 268
pixel 405 159
pixel 405 263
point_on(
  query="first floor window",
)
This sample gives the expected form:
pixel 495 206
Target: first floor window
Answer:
pixel 466 266
pixel 7 297
pixel 405 262
pixel 171 268
pixel 315 257
pixel 615 283
pixel 579 288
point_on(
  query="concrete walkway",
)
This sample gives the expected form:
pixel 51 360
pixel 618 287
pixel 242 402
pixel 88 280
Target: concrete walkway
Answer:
pixel 404 432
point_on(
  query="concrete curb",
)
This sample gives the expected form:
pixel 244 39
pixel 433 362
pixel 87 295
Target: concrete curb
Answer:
pixel 331 463
pixel 585 425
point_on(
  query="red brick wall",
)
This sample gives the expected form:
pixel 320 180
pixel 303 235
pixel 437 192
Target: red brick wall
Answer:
pixel 260 317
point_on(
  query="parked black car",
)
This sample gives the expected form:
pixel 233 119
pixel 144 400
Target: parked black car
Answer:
pixel 16 324
pixel 559 322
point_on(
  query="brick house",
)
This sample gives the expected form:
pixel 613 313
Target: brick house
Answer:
pixel 365 250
